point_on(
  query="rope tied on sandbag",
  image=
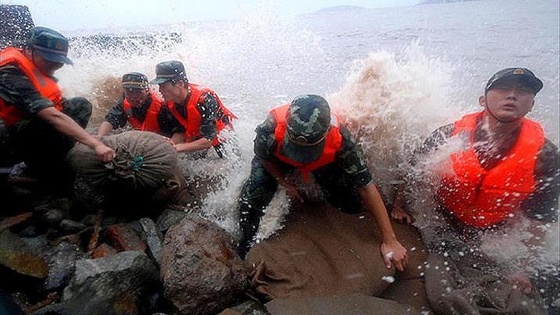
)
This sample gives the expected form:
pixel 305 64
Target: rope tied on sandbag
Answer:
pixel 144 161
pixel 126 166
pixel 137 162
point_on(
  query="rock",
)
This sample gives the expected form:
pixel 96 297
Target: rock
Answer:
pixel 152 238
pixel 246 308
pixel 16 221
pixel 72 226
pixel 16 255
pixel 53 216
pixel 61 260
pixel 103 250
pixel 123 237
pixel 120 284
pixel 200 271
pixel 167 218
pixel 54 210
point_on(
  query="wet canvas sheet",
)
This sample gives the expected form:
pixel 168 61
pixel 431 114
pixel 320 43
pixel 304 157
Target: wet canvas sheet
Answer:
pixel 322 251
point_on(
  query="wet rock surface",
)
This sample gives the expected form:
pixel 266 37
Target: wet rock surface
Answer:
pixel 59 258
pixel 200 271
pixel 90 261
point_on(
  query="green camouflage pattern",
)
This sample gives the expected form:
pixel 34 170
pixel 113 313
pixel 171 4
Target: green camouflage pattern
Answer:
pixel 45 38
pixel 50 44
pixel 309 118
pixel 134 80
pixel 172 70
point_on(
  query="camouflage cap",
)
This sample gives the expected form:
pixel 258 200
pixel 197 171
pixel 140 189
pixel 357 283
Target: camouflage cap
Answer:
pixel 309 118
pixel 168 71
pixel 50 44
pixel 134 80
pixel 307 124
pixel 525 76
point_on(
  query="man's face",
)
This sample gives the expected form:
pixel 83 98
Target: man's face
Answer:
pixel 46 67
pixel 509 100
pixel 171 91
pixel 136 97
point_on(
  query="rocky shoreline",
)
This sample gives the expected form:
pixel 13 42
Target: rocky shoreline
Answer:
pixel 56 259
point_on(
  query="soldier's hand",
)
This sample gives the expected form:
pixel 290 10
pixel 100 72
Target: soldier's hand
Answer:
pixel 399 215
pixel 393 252
pixel 104 153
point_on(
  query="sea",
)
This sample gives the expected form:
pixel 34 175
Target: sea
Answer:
pixel 394 75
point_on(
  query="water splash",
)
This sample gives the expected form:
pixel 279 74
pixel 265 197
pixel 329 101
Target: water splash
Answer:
pixel 391 100
pixel 390 104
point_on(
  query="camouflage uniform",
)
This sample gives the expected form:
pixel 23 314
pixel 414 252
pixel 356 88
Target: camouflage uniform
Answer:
pixel 460 243
pixel 33 140
pixel 209 108
pixel 208 111
pixel 118 118
pixel 338 180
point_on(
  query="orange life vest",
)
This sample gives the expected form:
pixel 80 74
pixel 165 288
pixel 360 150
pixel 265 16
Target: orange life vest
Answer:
pixel 483 198
pixel 193 120
pixel 150 122
pixel 45 85
pixel 333 143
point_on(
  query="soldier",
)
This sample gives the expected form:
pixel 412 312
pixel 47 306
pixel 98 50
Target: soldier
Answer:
pixel 304 136
pixel 143 109
pixel 197 108
pixel 39 126
pixel 505 169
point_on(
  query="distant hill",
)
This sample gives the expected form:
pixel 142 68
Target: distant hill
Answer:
pixel 443 1
pixel 341 8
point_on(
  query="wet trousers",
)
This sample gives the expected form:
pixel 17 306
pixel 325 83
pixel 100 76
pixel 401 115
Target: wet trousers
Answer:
pixel 260 187
pixel 461 279
pixel 471 286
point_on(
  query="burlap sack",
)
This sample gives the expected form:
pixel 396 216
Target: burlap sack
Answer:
pixel 322 251
pixel 145 163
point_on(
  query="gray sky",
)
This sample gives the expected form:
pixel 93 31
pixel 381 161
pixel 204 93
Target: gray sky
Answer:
pixel 91 14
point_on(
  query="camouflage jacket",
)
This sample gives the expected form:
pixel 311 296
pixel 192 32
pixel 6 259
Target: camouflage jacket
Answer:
pixel 543 203
pixel 118 118
pixel 350 158
pixel 208 111
pixel 17 89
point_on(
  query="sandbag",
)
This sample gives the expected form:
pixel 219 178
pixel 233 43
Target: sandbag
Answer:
pixel 145 162
pixel 322 251
pixel 352 304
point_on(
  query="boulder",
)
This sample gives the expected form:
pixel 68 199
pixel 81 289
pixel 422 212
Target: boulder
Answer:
pixel 119 284
pixel 200 271
pixel 17 256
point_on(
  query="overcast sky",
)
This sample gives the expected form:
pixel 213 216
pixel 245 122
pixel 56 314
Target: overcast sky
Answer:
pixel 91 14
